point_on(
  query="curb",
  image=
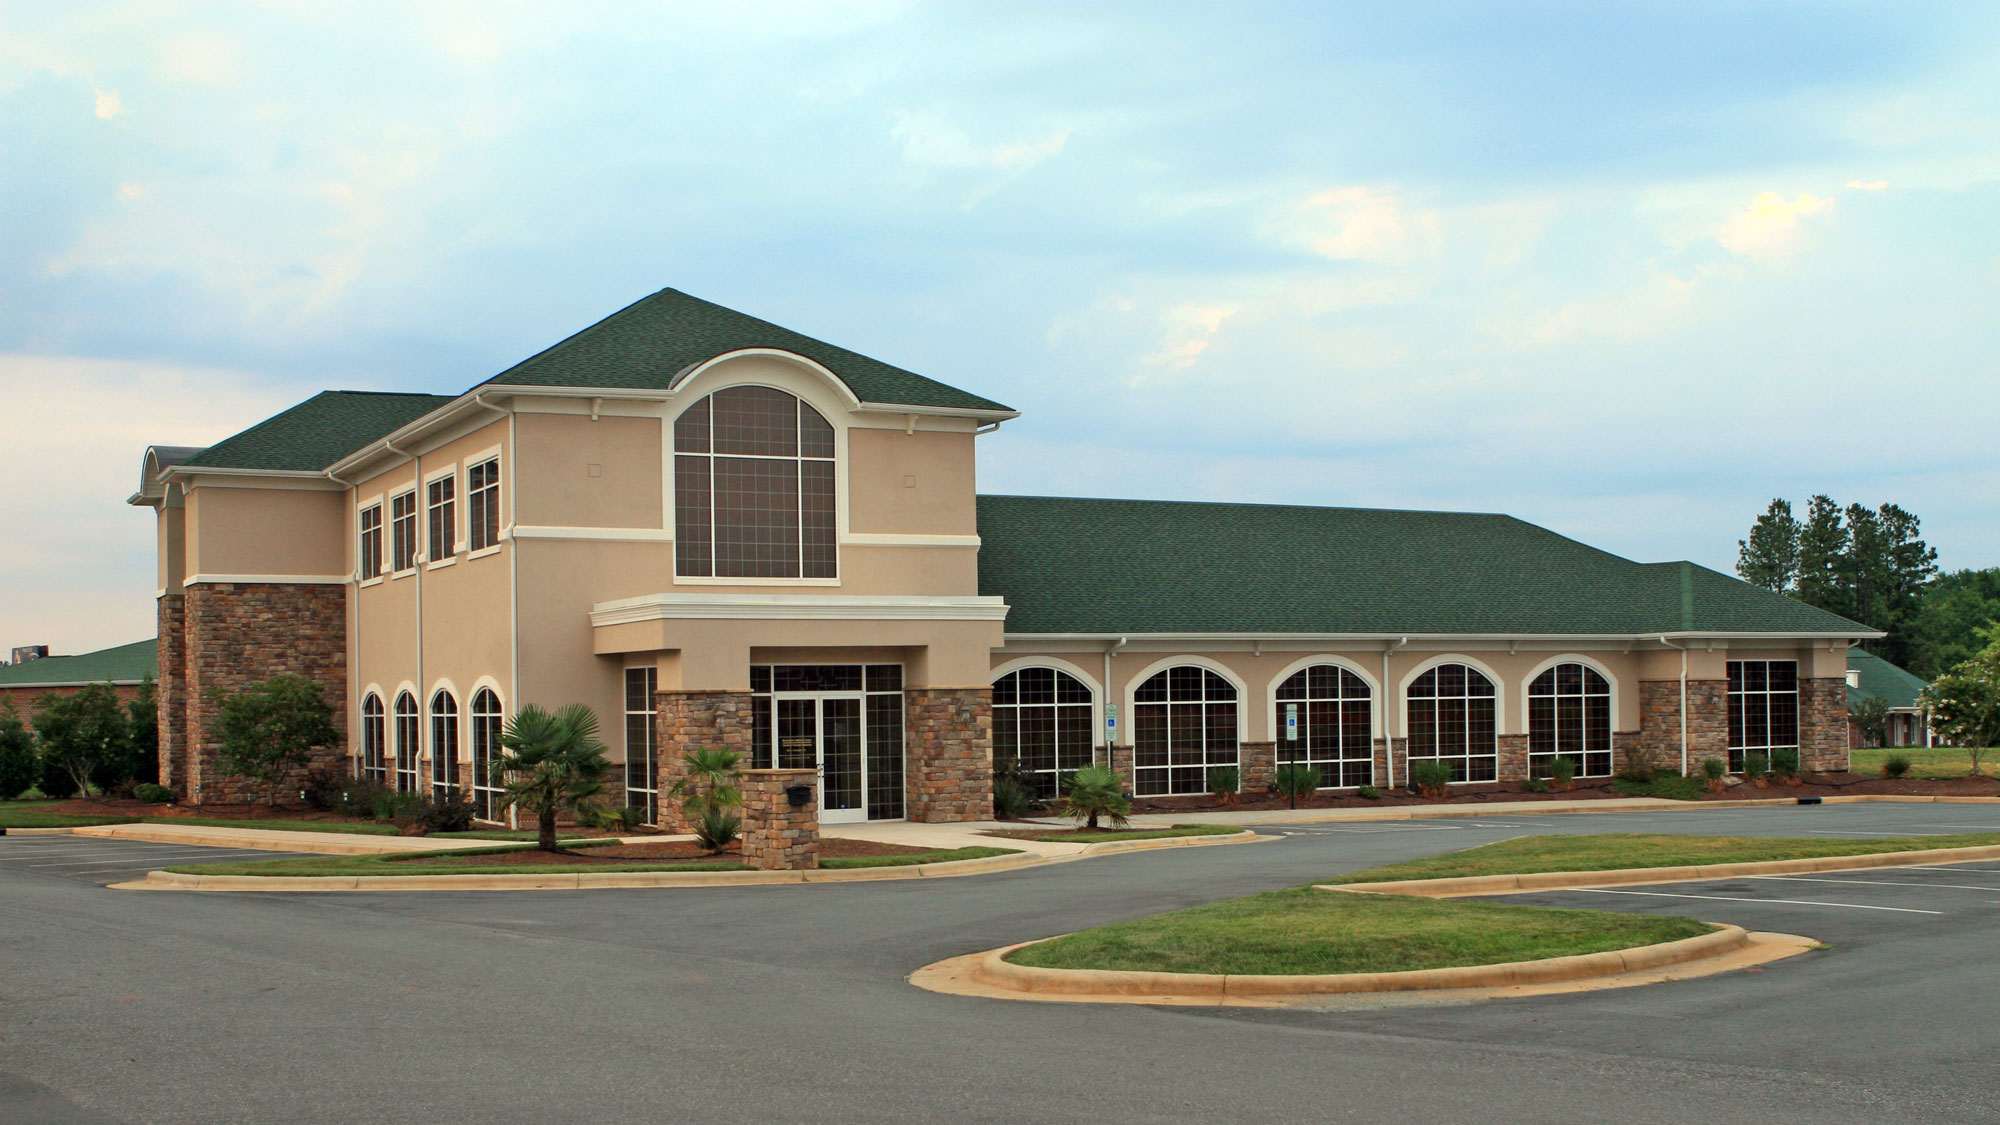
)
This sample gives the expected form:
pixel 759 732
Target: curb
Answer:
pixel 1476 885
pixel 995 971
pixel 36 831
pixel 1598 806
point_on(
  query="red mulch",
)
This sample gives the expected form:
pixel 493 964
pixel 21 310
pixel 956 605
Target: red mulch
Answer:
pixel 664 852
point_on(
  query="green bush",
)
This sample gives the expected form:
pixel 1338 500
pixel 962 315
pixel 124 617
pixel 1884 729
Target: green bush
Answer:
pixel 1896 765
pixel 1756 766
pixel 621 819
pixel 1094 793
pixel 56 782
pixel 1223 782
pixel 1714 769
pixel 1368 793
pixel 717 828
pixel 1562 771
pixel 152 794
pixel 1012 797
pixel 1534 785
pixel 1640 766
pixel 1785 763
pixel 1432 779
pixel 324 788
pixel 18 767
pixel 1297 779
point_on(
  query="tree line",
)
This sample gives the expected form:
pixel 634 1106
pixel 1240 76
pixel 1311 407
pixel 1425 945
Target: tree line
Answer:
pixel 86 740
pixel 1872 565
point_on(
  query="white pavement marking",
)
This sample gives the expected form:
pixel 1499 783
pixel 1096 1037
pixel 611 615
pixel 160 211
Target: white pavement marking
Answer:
pixel 1988 887
pixel 157 857
pixel 1740 898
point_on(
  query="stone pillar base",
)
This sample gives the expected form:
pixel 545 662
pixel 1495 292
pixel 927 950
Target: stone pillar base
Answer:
pixel 950 754
pixel 1257 764
pixel 695 720
pixel 778 836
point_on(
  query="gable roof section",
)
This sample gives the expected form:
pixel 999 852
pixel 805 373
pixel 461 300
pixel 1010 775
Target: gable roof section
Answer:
pixel 1146 566
pixel 645 344
pixel 1882 680
pixel 131 663
pixel 313 435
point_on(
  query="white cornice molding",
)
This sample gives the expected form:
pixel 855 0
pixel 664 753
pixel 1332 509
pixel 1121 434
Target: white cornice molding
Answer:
pixel 1649 641
pixel 897 539
pixel 798 607
pixel 609 534
pixel 262 579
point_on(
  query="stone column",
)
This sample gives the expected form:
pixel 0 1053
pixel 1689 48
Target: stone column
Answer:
pixel 1660 723
pixel 1259 763
pixel 1513 764
pixel 172 697
pixel 242 633
pixel 1398 751
pixel 695 720
pixel 776 835
pixel 950 753
pixel 1823 724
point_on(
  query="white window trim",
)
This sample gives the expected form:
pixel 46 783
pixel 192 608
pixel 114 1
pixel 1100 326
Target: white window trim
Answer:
pixel 1067 668
pixel 1527 681
pixel 416 496
pixel 457 508
pixel 1131 692
pixel 1376 701
pixel 1500 727
pixel 502 481
pixel 483 552
pixel 381 528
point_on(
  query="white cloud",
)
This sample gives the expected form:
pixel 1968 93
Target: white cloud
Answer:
pixel 1771 224
pixel 1363 224
pixel 1188 332
pixel 108 105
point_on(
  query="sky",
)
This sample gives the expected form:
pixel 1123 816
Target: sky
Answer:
pixel 1626 270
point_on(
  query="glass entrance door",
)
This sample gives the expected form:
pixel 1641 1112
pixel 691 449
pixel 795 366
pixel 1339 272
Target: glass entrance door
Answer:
pixel 823 732
pixel 844 720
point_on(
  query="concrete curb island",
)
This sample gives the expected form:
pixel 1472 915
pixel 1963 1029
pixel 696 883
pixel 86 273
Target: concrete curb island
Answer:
pixel 593 880
pixel 1469 886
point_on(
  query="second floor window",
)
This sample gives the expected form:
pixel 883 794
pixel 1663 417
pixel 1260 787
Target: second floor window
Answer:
pixel 403 531
pixel 371 541
pixel 753 487
pixel 443 508
pixel 482 505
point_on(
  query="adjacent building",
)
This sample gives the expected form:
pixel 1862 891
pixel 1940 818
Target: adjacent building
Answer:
pixel 719 532
pixel 23 684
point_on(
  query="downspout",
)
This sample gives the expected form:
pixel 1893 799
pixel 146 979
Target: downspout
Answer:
pixel 1389 736
pixel 354 630
pixel 1684 700
pixel 1110 732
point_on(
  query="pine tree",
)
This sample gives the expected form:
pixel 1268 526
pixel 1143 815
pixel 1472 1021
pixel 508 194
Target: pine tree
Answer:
pixel 1770 557
pixel 1823 539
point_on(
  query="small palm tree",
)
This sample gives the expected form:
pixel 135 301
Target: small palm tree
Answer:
pixel 708 791
pixel 1093 792
pixel 551 763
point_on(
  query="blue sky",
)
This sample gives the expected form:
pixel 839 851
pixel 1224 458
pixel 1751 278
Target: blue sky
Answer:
pixel 1625 270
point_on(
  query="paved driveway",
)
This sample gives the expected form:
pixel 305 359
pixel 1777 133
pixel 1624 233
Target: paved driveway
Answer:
pixel 788 1003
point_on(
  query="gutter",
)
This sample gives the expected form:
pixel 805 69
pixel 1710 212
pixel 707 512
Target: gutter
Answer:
pixel 1684 700
pixel 1388 736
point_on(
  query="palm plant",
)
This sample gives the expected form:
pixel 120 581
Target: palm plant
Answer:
pixel 1095 792
pixel 708 791
pixel 551 762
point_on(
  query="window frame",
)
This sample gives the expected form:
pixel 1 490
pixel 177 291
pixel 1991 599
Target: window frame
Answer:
pixel 441 517
pixel 1463 765
pixel 368 556
pixel 1046 782
pixel 404 535
pixel 373 764
pixel 709 457
pixel 1590 762
pixel 644 721
pixel 1738 710
pixel 486 725
pixel 407 728
pixel 444 744
pixel 1143 775
pixel 483 529
pixel 1350 770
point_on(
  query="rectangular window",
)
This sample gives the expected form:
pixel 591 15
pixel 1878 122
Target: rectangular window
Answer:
pixel 642 789
pixel 482 502
pixel 1763 708
pixel 370 564
pixel 403 531
pixel 442 506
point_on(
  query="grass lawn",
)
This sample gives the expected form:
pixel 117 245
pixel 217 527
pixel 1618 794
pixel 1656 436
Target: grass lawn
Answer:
pixel 1307 931
pixel 13 815
pixel 1530 854
pixel 1110 835
pixel 398 865
pixel 1938 761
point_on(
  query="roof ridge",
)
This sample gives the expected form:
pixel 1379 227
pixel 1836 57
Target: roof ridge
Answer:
pixel 1263 504
pixel 566 341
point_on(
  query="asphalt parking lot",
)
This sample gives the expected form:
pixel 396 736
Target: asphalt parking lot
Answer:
pixel 789 1003
pixel 104 862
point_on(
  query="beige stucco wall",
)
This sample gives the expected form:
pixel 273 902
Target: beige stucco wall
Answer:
pixel 264 531
pixel 716 655
pixel 170 535
pixel 920 483
pixel 575 472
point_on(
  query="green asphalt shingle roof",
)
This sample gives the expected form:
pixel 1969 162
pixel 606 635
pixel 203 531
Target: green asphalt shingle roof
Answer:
pixel 318 432
pixel 1881 679
pixel 1143 566
pixel 139 660
pixel 645 344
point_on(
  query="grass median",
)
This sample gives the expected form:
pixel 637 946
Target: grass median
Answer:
pixel 434 863
pixel 1302 931
pixel 1933 762
pixel 1527 855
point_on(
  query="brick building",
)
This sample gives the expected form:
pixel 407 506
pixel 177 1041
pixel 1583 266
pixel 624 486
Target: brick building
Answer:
pixel 124 668
pixel 719 532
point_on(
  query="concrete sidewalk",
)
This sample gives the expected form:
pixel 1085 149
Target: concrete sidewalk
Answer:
pixel 965 834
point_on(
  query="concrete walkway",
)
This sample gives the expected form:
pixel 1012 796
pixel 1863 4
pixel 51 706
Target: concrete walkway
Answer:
pixel 969 834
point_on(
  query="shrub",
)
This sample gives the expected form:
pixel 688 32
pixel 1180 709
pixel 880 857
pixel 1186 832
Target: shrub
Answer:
pixel 1368 793
pixel 1431 779
pixel 553 763
pixel 1714 769
pixel 1641 766
pixel 270 730
pixel 18 768
pixel 1223 782
pixel 453 814
pixel 85 734
pixel 1896 765
pixel 324 788
pixel 152 794
pixel 361 798
pixel 56 782
pixel 1094 793
pixel 717 828
pixel 1297 779
pixel 1756 766
pixel 1785 763
pixel 1534 785
pixel 1562 771
pixel 1012 798
pixel 623 818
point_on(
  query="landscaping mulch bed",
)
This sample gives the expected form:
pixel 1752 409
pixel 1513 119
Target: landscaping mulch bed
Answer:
pixel 678 851
pixel 1814 785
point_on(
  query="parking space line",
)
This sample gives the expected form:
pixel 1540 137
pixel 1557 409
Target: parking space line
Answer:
pixel 1740 898
pixel 154 857
pixel 1988 888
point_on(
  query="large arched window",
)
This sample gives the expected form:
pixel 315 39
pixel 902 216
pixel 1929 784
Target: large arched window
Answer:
pixel 1453 719
pixel 486 724
pixel 1569 716
pixel 408 746
pixel 1336 725
pixel 374 737
pixel 753 487
pixel 444 745
pixel 1183 725
pixel 1041 718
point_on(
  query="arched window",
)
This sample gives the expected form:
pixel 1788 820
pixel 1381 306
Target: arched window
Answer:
pixel 486 723
pixel 1336 725
pixel 408 747
pixel 1183 725
pixel 374 737
pixel 753 487
pixel 1041 719
pixel 1569 716
pixel 444 745
pixel 1453 719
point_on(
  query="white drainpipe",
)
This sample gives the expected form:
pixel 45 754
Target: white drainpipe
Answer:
pixel 1389 735
pixel 1684 700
